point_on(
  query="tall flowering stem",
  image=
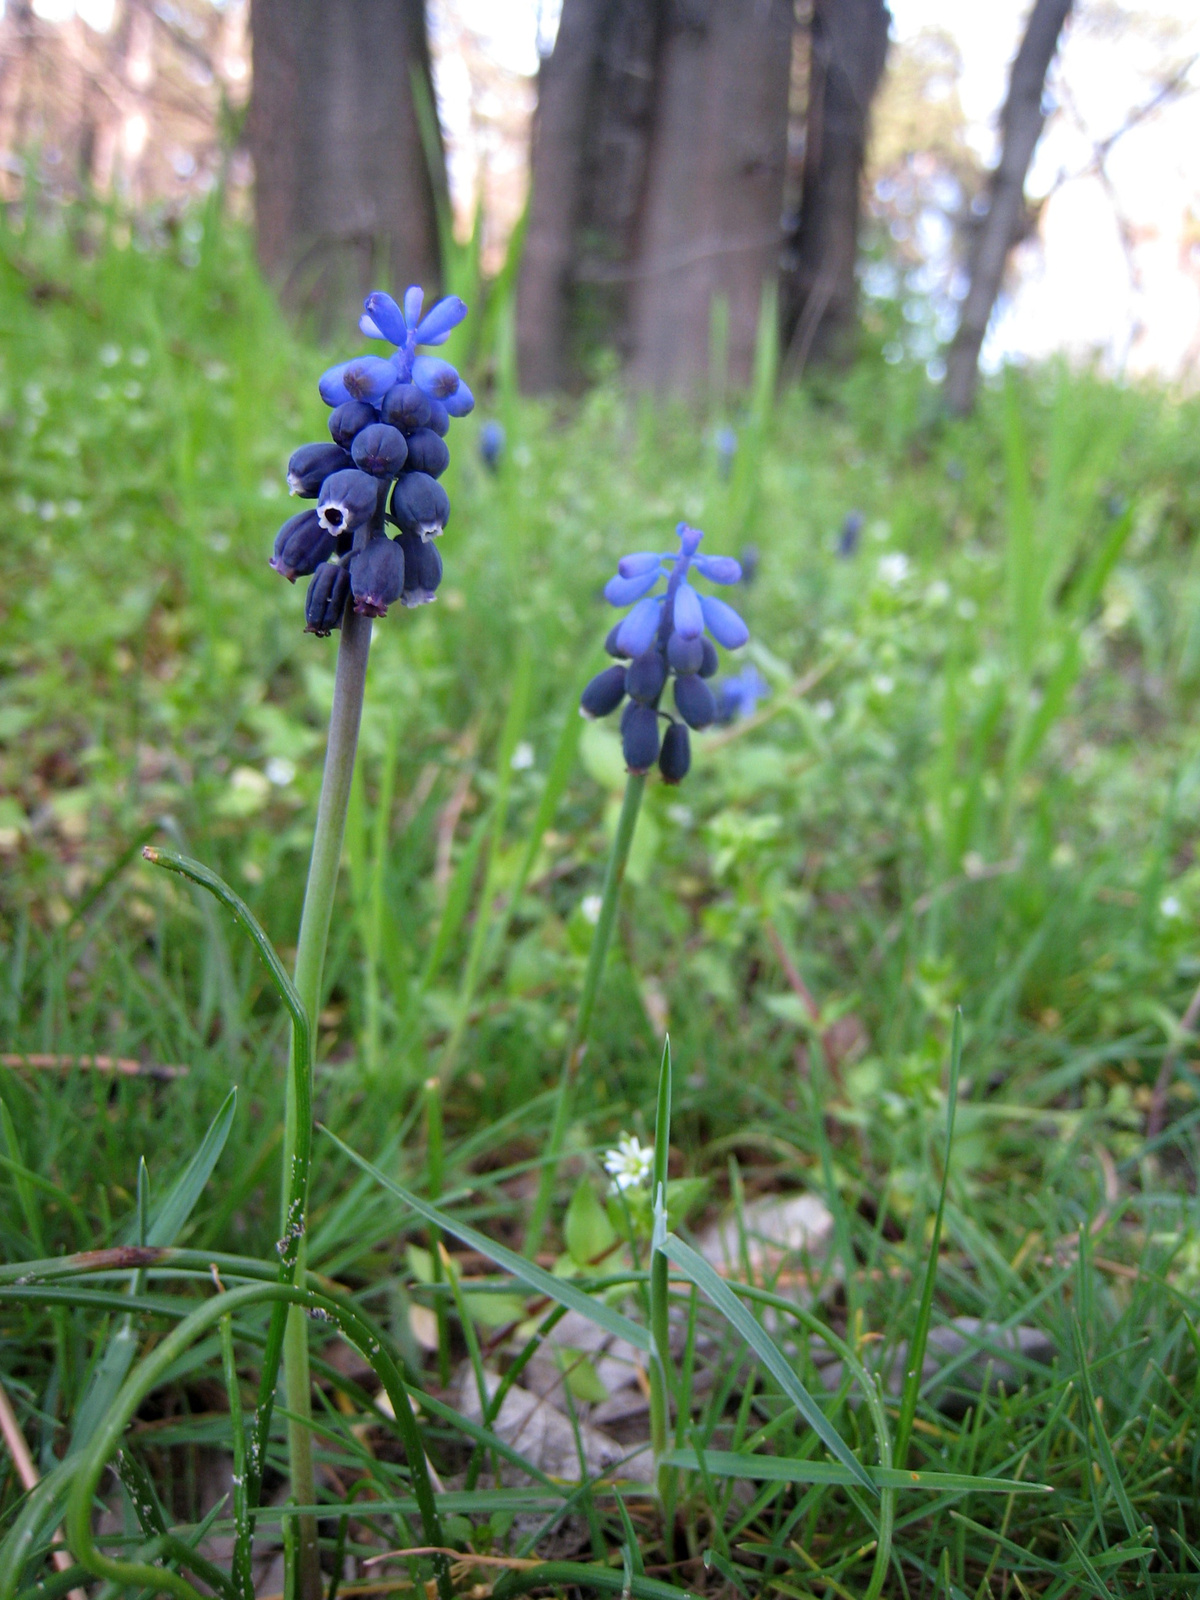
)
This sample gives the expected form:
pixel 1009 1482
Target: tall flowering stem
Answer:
pixel 388 420
pixel 614 876
pixel 665 639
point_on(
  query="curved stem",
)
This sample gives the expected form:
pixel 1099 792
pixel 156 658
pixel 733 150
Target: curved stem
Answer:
pixel 614 876
pixel 348 691
pixel 149 1372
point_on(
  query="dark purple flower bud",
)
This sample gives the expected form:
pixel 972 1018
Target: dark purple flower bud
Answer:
pixel 387 316
pixel 611 645
pixel 347 500
pixel 695 700
pixel 711 660
pixel 420 505
pixel 675 757
pixel 301 545
pixel 646 677
pixel 622 591
pixel 380 450
pixel 311 465
pixel 685 655
pixel 491 444
pixel 348 419
pixel 377 576
pixel 437 378
pixel 326 599
pixel 461 403
pixel 639 736
pixel 603 694
pixel 436 326
pixel 439 418
pixel 427 453
pixel 422 569
pixel 414 299
pixel 722 622
pixel 689 619
pixel 368 378
pixel 405 407
pixel 718 569
pixel 636 631
pixel 851 531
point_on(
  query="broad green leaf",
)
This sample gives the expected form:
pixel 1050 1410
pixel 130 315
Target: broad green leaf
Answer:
pixel 587 1230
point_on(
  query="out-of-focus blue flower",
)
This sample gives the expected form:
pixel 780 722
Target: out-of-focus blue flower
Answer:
pixel 491 444
pixel 726 442
pixel 662 636
pixel 851 532
pixel 388 422
pixel 739 696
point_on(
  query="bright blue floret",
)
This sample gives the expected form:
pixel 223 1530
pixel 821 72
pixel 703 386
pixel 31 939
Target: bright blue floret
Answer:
pixel 389 418
pixel 665 635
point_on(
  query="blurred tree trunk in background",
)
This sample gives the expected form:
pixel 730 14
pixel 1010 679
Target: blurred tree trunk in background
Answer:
pixel 345 200
pixel 658 166
pixel 710 224
pixel 596 97
pixel 1003 223
pixel 819 285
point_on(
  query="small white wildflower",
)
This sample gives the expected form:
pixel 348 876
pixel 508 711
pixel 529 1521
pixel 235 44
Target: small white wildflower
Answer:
pixel 893 568
pixel 1170 906
pixel 522 757
pixel 630 1164
pixel 590 906
pixel 280 771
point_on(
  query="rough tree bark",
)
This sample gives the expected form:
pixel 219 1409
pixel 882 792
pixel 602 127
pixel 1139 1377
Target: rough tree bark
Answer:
pixel 710 220
pixel 658 168
pixel 1021 125
pixel 344 196
pixel 591 132
pixel 819 284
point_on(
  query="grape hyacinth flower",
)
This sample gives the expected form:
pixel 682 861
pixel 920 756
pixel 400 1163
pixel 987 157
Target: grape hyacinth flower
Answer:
pixel 388 424
pixel 665 636
pixel 738 696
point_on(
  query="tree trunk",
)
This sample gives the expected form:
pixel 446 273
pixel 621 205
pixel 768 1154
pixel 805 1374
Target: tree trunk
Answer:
pixel 1021 126
pixel 591 134
pixel 710 219
pixel 344 196
pixel 820 287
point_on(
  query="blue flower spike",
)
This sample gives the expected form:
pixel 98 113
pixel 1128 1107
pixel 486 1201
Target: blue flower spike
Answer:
pixel 389 417
pixel 665 636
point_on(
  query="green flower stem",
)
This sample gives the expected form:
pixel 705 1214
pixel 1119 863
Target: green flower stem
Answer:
pixel 614 876
pixel 348 690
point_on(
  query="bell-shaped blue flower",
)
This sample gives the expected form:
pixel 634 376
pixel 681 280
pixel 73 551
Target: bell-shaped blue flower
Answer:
pixel 603 694
pixel 636 634
pixel 437 325
pixel 675 757
pixel 311 464
pixel 639 736
pixel 427 452
pixel 347 500
pixel 422 569
pixel 380 450
pixel 349 419
pixel 377 576
pixel 325 602
pixel 723 623
pixel 405 407
pixel 386 316
pixel 301 545
pixel 434 377
pixel 420 505
pixel 461 403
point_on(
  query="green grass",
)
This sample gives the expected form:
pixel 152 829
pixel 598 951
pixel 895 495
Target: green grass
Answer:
pixel 976 785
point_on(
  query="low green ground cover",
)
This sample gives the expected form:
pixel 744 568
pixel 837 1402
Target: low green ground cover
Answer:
pixel 975 783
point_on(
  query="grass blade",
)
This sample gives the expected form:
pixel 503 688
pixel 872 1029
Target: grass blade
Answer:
pixel 782 1469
